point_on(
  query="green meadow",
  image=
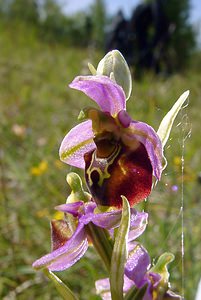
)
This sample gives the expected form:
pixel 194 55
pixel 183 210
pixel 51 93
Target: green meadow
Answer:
pixel 37 108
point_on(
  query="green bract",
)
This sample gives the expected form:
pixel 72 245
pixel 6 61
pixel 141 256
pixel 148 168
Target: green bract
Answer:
pixel 167 122
pixel 120 253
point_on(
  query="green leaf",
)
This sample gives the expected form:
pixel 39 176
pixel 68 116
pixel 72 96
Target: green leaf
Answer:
pixel 63 290
pixel 135 293
pixel 120 253
pixel 167 122
pixel 115 66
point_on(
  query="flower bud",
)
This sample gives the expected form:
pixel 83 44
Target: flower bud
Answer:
pixel 77 193
pixel 115 66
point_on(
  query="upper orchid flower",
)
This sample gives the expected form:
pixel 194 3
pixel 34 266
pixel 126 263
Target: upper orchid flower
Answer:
pixel 119 155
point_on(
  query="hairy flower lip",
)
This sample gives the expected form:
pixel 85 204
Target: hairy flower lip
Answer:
pixel 124 172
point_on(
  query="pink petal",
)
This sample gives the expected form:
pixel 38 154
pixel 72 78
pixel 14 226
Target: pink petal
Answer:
pixel 71 208
pixel 103 287
pixel 77 142
pixel 67 255
pixel 138 225
pixel 106 220
pixel 149 138
pixel 137 263
pixel 106 93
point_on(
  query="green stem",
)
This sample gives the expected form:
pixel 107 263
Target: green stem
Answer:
pixel 135 293
pixel 102 243
pixel 120 253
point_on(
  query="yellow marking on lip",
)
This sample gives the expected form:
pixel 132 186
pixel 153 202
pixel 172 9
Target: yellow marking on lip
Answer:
pixel 120 162
pixel 107 162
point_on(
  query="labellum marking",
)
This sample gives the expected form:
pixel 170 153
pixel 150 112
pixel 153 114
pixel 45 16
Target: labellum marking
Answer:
pixel 103 174
pixel 121 164
pixel 130 174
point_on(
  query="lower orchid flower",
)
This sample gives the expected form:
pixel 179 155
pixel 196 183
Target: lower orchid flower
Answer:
pixel 141 281
pixel 67 250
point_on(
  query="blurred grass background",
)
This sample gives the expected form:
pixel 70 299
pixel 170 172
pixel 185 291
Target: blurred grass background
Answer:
pixel 36 110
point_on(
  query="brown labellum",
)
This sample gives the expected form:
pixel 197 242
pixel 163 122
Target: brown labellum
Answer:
pixel 124 172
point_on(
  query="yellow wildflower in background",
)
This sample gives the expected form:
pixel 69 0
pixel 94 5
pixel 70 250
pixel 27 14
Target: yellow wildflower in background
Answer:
pixel 40 169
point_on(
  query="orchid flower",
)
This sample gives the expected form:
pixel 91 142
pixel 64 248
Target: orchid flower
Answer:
pixel 68 249
pixel 141 280
pixel 120 156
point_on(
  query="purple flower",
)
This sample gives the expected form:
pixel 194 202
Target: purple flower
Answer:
pixel 69 248
pixel 119 155
pixel 139 275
